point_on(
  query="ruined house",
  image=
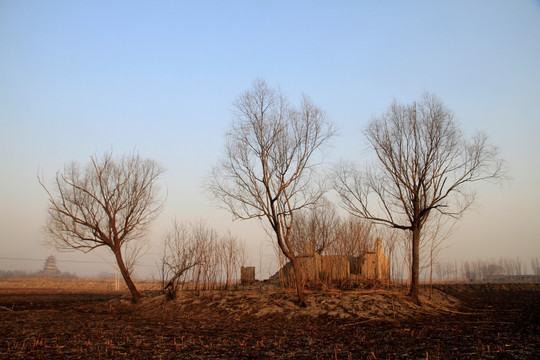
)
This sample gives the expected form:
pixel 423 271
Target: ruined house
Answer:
pixel 324 267
pixel 373 266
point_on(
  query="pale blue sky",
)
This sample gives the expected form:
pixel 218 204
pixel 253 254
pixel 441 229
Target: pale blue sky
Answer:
pixel 80 77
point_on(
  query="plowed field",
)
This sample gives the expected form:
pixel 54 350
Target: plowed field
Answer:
pixel 461 322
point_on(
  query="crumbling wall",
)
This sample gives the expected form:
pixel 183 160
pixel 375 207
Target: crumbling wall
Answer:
pixel 334 268
pixel 375 264
pixel 311 265
pixel 324 267
pixel 247 275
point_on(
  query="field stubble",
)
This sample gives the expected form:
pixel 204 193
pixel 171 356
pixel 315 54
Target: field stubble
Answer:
pixel 461 321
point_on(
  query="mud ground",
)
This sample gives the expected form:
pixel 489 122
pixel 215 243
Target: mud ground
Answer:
pixel 480 321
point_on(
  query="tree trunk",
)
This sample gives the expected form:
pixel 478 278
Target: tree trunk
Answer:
pixel 299 277
pixel 415 267
pixel 127 277
pixel 431 272
pixel 298 273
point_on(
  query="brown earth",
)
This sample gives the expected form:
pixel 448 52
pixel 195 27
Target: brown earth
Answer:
pixel 481 321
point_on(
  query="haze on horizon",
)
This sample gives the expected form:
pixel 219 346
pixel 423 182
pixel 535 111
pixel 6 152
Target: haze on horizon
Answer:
pixel 82 78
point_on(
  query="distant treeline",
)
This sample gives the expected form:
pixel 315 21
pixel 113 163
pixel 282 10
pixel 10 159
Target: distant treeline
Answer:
pixel 486 270
pixel 5 274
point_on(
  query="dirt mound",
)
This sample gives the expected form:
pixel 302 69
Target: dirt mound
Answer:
pixel 358 306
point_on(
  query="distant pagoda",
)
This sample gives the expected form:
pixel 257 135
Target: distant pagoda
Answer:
pixel 50 269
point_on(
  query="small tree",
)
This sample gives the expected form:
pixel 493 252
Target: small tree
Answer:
pixel 110 203
pixel 268 170
pixel 391 242
pixel 436 231
pixel 233 256
pixel 424 165
pixel 354 237
pixel 316 228
pixel 535 265
pixel 181 252
pixel 194 252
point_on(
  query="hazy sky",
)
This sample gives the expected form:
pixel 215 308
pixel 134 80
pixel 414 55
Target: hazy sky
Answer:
pixel 84 77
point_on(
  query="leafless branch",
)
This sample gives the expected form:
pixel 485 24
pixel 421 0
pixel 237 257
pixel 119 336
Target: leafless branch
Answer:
pixel 424 164
pixel 111 202
pixel 268 170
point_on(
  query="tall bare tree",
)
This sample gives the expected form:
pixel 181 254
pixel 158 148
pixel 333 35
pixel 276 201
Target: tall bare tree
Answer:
pixel 109 203
pixel 268 168
pixel 425 164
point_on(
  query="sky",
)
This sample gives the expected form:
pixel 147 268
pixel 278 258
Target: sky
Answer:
pixel 79 78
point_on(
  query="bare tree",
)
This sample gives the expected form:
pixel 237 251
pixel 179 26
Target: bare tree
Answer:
pixel 354 237
pixel 268 168
pixel 206 239
pixel 193 252
pixel 233 256
pixel 468 271
pixel 110 203
pixel 181 252
pixel 316 228
pixel 425 164
pixel 391 240
pixel 435 232
pixel 535 265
